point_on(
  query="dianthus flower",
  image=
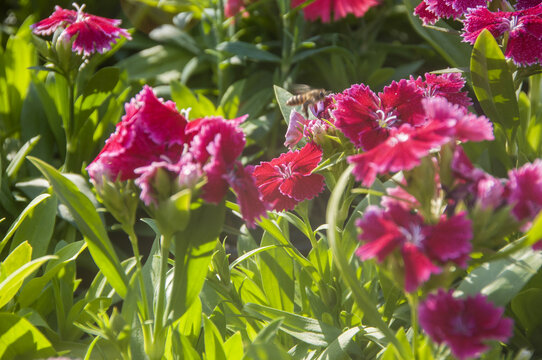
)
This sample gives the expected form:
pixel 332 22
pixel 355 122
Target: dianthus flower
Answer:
pixel 463 324
pixel 524 44
pixel 322 8
pixel 92 33
pixel 366 118
pixel 151 131
pixel 309 129
pixel 447 85
pixel 233 7
pixel 287 180
pixel 406 146
pixel 525 191
pixel 421 247
pixel 430 11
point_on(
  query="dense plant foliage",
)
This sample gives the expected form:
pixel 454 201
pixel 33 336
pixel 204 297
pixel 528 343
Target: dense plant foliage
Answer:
pixel 166 193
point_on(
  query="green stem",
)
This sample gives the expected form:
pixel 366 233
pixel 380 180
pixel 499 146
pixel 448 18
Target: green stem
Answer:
pixel 69 128
pixel 159 315
pixel 144 310
pixel 413 302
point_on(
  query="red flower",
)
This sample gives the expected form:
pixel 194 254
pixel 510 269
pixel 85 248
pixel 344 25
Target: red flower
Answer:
pixel 524 45
pixel 367 119
pixel 430 11
pixel 525 191
pixel 421 247
pixel 287 180
pixel 93 33
pixel 151 131
pixel 463 324
pixel 341 8
pixel 447 85
pixel 233 7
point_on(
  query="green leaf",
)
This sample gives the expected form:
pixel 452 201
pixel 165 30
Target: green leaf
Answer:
pixel 277 273
pixel 15 269
pixel 214 346
pixel 492 81
pixel 233 347
pixel 250 51
pixel 500 280
pixel 337 349
pixel 37 226
pixel 282 96
pixel 28 210
pixel 19 339
pixel 527 309
pixel 264 346
pixel 18 159
pixel 32 290
pixel 306 329
pixel 89 223
pixel 103 81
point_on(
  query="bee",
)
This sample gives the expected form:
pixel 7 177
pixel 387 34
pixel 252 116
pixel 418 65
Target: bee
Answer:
pixel 306 96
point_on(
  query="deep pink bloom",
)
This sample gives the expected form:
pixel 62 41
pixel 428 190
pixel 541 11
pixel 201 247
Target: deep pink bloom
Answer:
pixel 151 131
pixel 463 324
pixel 525 4
pixel 93 33
pixel 248 195
pixel 525 191
pixel 233 7
pixel 396 228
pixel 367 119
pixel 447 85
pixel 312 130
pixel 322 8
pixel 524 28
pixel 430 11
pixel 449 240
pixel 153 178
pixel 287 180
pixel 402 150
pixel 296 129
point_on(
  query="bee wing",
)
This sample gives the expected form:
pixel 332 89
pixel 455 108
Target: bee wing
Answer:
pixel 300 88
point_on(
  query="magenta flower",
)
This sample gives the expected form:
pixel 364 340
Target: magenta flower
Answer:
pixel 367 119
pixel 447 85
pixel 430 11
pixel 92 33
pixel 463 324
pixel 312 130
pixel 287 180
pixel 524 45
pixel 422 247
pixel 341 8
pixel 525 191
pixel 151 131
pixel 233 7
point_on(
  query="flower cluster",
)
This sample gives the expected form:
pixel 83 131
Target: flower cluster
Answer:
pixel 463 324
pixel 90 33
pixel 156 145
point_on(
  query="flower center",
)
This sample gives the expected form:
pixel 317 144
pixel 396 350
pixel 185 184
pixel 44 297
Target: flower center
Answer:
pixel 385 120
pixel 284 170
pixel 413 234
pixel 80 13
pixel 513 23
pixel 461 325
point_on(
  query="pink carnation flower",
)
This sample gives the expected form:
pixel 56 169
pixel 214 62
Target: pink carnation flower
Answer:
pixel 92 33
pixel 524 44
pixel 525 191
pixel 151 131
pixel 422 247
pixel 287 180
pixel 463 324
pixel 430 11
pixel 367 118
pixel 322 8
pixel 447 85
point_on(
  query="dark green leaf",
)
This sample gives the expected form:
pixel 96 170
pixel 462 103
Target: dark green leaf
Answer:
pixel 247 50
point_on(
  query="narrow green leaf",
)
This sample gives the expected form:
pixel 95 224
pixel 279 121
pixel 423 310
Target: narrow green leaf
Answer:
pixel 233 347
pixel 282 96
pixel 28 210
pixel 303 328
pixel 502 279
pixel 89 223
pixel 20 340
pixel 250 51
pixel 214 346
pixel 18 159
pixel 337 349
pixel 251 253
pixel 492 81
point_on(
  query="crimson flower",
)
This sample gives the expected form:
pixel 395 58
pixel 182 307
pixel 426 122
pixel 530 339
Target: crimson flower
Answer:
pixel 233 7
pixel 446 85
pixel 525 191
pixel 92 33
pixel 421 247
pixel 366 118
pixel 151 131
pixel 430 11
pixel 524 45
pixel 341 8
pixel 287 180
pixel 463 324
